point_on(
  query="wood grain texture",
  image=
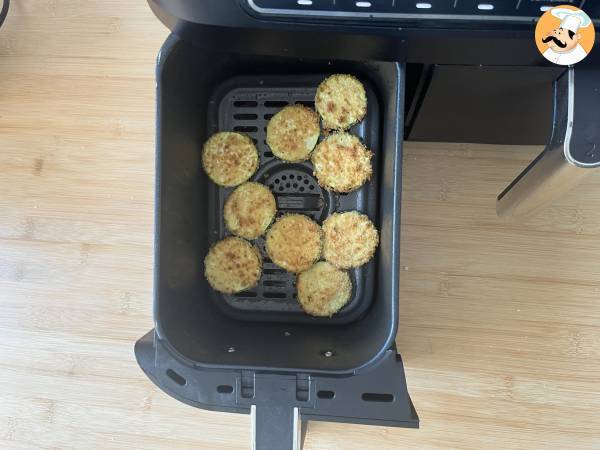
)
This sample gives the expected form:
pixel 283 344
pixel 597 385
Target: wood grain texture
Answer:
pixel 500 322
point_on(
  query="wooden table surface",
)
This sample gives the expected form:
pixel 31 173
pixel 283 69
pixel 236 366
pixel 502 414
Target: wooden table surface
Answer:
pixel 500 323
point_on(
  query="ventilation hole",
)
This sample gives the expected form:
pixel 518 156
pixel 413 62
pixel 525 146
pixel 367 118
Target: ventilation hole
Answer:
pixel 309 103
pixel 326 394
pixel 287 185
pixel 224 389
pixel 268 154
pixel 284 177
pixel 176 377
pixel 245 116
pixel 280 188
pixel 301 188
pixel 305 181
pixel 295 185
pixel 245 294
pixel 423 5
pixel 265 129
pixel 268 116
pixel 274 294
pixel 245 129
pixel 277 181
pixel 311 187
pixel 485 6
pixel 275 103
pixel 254 140
pixel 382 398
pixel 275 283
pixel 245 103
pixel 291 176
pixel 272 186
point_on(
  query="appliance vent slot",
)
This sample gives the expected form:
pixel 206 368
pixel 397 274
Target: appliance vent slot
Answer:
pixel 274 283
pixel 272 294
pixel 275 103
pixel 176 377
pixel 326 395
pixel 308 103
pixel 381 398
pixel 246 294
pixel 245 129
pixel 245 104
pixel 245 116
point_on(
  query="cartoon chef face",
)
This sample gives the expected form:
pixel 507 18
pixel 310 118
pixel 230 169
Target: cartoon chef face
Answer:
pixel 562 39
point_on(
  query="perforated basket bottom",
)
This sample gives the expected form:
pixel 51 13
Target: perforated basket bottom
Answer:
pixel 246 104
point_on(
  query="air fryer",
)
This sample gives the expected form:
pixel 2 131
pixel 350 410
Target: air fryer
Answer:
pixel 447 71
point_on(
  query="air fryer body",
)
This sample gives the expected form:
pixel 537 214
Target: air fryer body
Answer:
pixel 465 66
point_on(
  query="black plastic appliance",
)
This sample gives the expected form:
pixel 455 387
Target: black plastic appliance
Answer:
pixel 434 70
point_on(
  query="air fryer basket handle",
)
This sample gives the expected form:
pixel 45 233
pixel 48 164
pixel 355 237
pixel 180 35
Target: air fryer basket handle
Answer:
pixel 277 428
pixel 279 410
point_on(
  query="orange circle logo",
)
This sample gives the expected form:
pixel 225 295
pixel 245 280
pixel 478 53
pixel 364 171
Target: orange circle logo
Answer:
pixel 564 35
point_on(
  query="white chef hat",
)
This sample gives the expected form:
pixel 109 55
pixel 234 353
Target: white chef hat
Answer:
pixel 570 19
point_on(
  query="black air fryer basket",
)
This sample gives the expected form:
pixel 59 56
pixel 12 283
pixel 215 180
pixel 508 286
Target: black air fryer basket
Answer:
pixel 256 351
pixel 237 62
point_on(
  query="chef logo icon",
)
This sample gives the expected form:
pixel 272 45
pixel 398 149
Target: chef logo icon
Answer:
pixel 564 35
